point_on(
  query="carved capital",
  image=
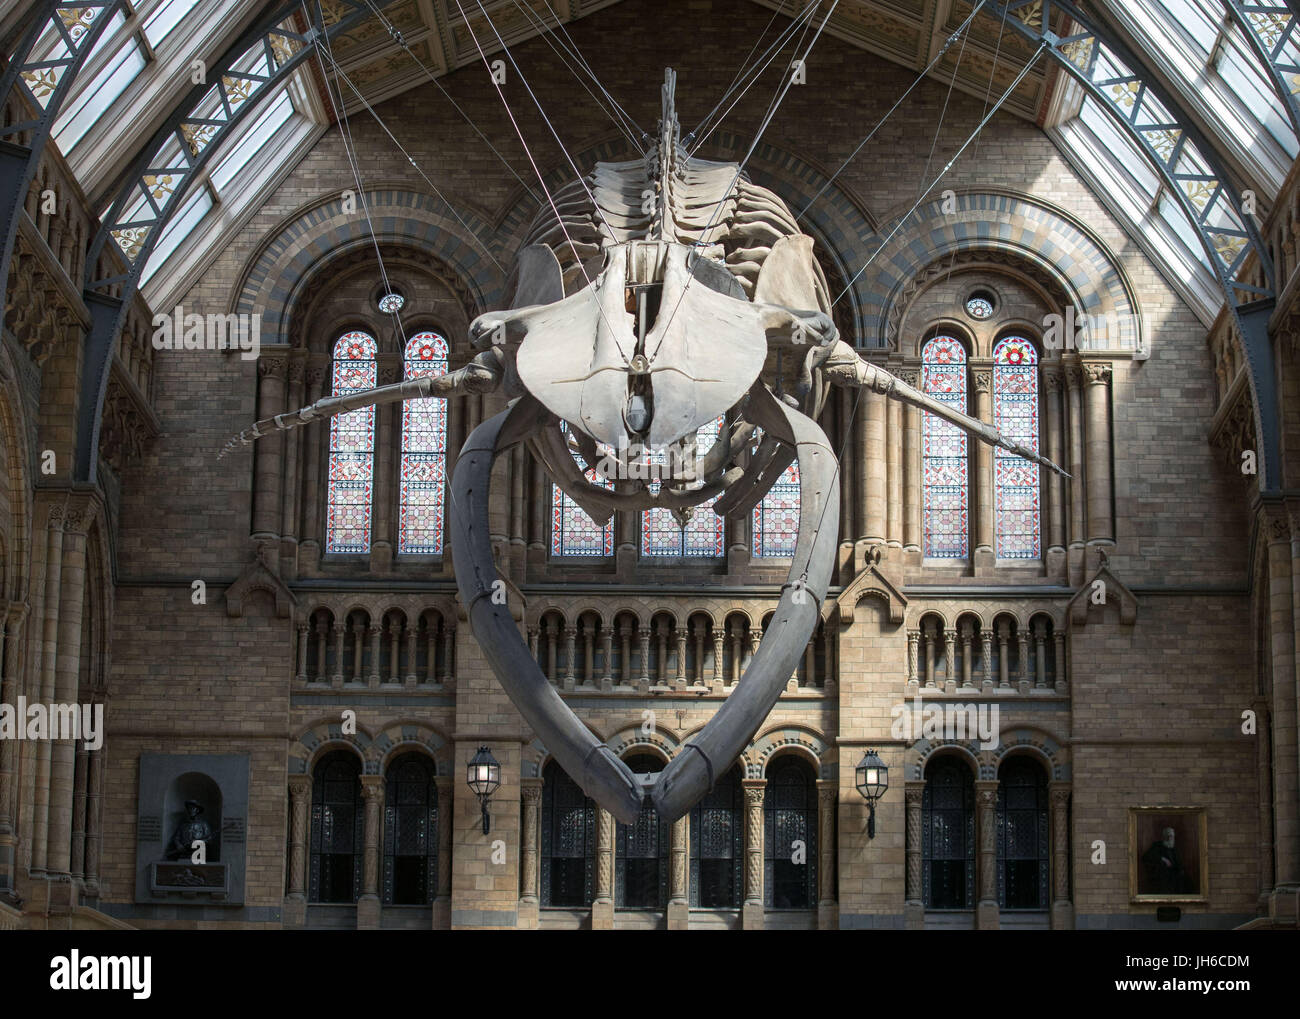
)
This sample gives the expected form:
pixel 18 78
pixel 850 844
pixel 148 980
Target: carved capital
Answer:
pixel 983 381
pixel 1097 374
pixel 272 367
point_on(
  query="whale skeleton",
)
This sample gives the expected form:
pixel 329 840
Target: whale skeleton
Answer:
pixel 647 310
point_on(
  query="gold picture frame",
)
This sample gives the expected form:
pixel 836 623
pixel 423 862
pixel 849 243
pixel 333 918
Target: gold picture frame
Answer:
pixel 1158 873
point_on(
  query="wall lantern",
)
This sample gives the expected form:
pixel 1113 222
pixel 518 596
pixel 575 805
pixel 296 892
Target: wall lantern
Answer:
pixel 484 777
pixel 872 781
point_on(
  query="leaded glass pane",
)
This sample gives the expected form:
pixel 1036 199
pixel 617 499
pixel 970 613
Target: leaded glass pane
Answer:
pixel 944 482
pixel 704 534
pixel 352 448
pixel 568 841
pixel 790 835
pixel 424 451
pixel 410 832
pixel 1017 510
pixel 641 856
pixel 948 836
pixel 573 532
pixel 717 845
pixel 1022 835
pixel 337 829
pixel 776 518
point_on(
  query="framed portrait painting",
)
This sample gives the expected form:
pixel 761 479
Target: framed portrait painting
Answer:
pixel 1168 853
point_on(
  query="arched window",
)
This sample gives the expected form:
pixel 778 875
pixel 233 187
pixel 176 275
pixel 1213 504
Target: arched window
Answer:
pixel 1015 480
pixel 424 451
pixel 568 840
pixel 776 518
pixel 573 532
pixel 410 832
pixel 718 845
pixel 337 828
pixel 704 534
pixel 1023 836
pixel 352 448
pixel 790 817
pixel 641 851
pixel 945 469
pixel 948 836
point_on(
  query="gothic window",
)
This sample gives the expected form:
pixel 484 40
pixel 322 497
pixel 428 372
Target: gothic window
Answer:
pixel 790 835
pixel 568 840
pixel 337 828
pixel 1023 835
pixel 352 448
pixel 1017 507
pixel 704 534
pixel 573 532
pixel 718 845
pixel 410 832
pixel 948 836
pixel 641 851
pixel 424 450
pixel 776 518
pixel 945 466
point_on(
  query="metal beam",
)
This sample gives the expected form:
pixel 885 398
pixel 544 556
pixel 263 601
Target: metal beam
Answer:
pixel 1271 31
pixel 66 31
pixel 1192 172
pixel 156 185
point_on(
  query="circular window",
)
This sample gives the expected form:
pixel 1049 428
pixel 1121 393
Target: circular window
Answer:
pixel 980 305
pixel 391 303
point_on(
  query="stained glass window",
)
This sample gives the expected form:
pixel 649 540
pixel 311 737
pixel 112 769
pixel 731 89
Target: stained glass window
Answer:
pixel 979 305
pixel 352 448
pixel 573 532
pixel 945 467
pixel 1016 510
pixel 704 534
pixel 776 518
pixel 424 451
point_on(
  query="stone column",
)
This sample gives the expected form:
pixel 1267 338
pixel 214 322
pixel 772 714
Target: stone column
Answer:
pixel 552 634
pixel 529 856
pixel 292 439
pixel 314 483
pixel 303 627
pixel 268 453
pixel 602 908
pixel 718 658
pixel 913 639
pixel 410 679
pixel 1022 641
pixel 1004 637
pixel 47 662
pixel 698 633
pixel 894 473
pixel 872 529
pixel 1055 484
pixel 643 642
pixel 72 602
pixel 949 660
pixel 570 652
pixel 967 634
pixel 1040 654
pixel 827 805
pixel 852 505
pixel 984 538
pixel 1074 427
pixel 679 909
pixel 986 650
pixel 358 651
pixel 339 630
pixel 588 634
pixel 80 778
pixel 446 808
pixel 753 909
pixel 680 633
pixel 1284 608
pixel 913 907
pixel 931 633
pixel 94 821
pixel 1058 659
pixel 295 903
pixel 986 874
pixel 449 656
pixel 375 632
pixel 1062 907
pixel 13 629
pixel 607 679
pixel 1101 529
pixel 911 472
pixel 625 653
pixel 734 631
pixel 368 909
